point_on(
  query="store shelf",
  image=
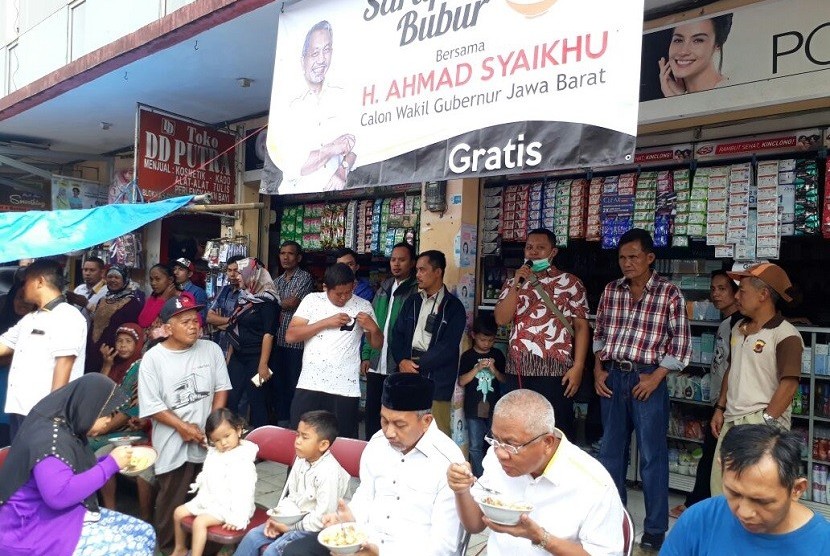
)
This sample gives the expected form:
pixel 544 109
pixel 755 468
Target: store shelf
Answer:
pixel 822 419
pixel 684 439
pixel 799 416
pixel 819 461
pixel 690 402
pixel 683 482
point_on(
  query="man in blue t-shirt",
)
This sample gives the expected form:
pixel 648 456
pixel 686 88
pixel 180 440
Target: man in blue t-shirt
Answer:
pixel 759 512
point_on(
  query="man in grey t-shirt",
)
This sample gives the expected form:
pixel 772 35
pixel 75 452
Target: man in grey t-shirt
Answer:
pixel 180 382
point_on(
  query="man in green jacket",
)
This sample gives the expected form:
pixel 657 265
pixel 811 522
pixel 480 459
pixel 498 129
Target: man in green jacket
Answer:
pixel 377 363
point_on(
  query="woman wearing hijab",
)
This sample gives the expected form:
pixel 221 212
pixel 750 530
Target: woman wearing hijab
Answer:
pixel 119 306
pixel 48 484
pixel 251 331
pixel 121 364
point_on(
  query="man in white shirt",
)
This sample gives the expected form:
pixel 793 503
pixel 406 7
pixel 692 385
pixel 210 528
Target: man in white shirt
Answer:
pixel 92 289
pixel 576 508
pixel 49 345
pixel 403 502
pixel 332 324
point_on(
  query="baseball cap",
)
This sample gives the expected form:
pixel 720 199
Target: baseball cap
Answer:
pixel 184 263
pixel 176 305
pixel 770 274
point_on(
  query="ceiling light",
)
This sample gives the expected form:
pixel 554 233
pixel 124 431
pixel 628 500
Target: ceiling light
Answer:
pixel 244 82
pixel 105 125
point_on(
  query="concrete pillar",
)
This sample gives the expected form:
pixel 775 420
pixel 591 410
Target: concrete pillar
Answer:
pixel 439 230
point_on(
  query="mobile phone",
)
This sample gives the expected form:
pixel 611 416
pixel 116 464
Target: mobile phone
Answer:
pixel 257 380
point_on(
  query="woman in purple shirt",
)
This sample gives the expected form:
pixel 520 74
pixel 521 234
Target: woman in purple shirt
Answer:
pixel 48 484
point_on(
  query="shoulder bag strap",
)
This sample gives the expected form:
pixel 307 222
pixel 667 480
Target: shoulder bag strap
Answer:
pixel 547 300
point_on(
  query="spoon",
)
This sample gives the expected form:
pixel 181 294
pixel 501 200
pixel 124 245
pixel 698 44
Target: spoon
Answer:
pixel 469 474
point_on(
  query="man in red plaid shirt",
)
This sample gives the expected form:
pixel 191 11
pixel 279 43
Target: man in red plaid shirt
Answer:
pixel 641 334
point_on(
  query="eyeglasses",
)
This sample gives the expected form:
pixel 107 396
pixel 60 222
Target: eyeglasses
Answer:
pixel 509 448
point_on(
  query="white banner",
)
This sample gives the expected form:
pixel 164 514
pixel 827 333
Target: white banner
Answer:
pixel 396 91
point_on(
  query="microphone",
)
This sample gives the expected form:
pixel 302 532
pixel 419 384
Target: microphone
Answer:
pixel 528 264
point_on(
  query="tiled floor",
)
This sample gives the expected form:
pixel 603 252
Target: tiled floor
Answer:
pixel 272 477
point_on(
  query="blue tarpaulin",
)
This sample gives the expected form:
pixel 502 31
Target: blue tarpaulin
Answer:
pixel 39 233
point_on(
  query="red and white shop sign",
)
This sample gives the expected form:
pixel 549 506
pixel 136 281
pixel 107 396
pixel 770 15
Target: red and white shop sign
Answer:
pixel 788 141
pixel 175 156
pixel 663 155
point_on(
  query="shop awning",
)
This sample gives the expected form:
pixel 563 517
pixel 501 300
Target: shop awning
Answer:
pixel 36 234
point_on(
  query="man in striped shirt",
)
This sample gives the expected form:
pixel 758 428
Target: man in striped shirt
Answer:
pixel 641 334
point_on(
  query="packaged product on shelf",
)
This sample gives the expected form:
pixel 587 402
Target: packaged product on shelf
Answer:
pixel 767 234
pixel 806 198
pixel 745 249
pixel 645 200
pixel 563 208
pixel 579 202
pixel 698 197
pixel 740 177
pixel 351 225
pixel 825 213
pixel 807 360
pixel 821 352
pixel 786 192
pixel 593 225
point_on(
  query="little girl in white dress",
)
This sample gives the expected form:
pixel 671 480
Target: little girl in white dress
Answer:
pixel 225 487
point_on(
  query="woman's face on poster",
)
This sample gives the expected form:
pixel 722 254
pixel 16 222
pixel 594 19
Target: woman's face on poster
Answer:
pixel 692 48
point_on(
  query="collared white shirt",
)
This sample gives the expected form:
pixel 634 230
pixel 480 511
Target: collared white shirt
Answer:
pixel 429 305
pixel 573 499
pixel 93 295
pixel 403 501
pixel 37 340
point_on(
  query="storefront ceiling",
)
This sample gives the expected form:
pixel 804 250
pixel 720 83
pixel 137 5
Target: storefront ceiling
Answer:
pixel 196 77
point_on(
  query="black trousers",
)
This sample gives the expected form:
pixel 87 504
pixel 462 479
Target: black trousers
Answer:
pixel 374 390
pixel 172 493
pixel 704 470
pixel 551 388
pixel 287 367
pixel 345 409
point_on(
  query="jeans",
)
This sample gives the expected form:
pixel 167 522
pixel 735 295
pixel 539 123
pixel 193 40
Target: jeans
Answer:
pixel 477 428
pixel 650 420
pixel 255 539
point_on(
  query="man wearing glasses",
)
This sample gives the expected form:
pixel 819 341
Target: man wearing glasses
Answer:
pixel 576 508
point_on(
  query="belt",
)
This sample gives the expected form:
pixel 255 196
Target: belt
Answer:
pixel 629 366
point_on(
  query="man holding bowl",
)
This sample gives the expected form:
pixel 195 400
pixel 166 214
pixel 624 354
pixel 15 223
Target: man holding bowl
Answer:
pixel 574 505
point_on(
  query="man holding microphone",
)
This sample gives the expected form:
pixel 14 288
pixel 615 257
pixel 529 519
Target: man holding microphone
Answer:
pixel 549 338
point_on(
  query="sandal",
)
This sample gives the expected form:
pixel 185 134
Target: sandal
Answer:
pixel 677 511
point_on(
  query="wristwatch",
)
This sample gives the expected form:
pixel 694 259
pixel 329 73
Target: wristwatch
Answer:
pixel 772 421
pixel 543 542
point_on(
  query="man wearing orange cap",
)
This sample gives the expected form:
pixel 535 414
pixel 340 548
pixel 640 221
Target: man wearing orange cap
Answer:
pixel 765 363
